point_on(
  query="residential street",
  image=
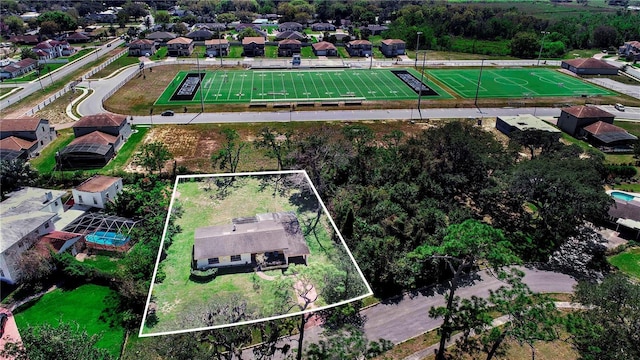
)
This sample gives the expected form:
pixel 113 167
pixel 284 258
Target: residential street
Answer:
pixel 401 319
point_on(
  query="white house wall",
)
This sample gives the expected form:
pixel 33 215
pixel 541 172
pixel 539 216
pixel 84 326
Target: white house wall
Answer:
pixel 224 261
pixel 10 258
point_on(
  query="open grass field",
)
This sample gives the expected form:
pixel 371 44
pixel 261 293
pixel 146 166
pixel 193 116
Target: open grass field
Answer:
pixel 178 297
pixel 628 262
pixel 296 85
pixel 515 83
pixel 86 305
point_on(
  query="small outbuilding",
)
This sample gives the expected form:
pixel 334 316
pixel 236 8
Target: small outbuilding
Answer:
pixel 510 124
pixel 97 191
pixel 609 138
pixel 589 66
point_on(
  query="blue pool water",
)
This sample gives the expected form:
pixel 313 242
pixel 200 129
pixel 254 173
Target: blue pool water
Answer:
pixel 107 238
pixel 622 196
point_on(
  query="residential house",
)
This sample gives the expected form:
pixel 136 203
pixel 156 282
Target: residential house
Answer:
pixel 142 47
pixel 108 123
pixel 97 191
pixel 215 27
pixel 59 242
pixel 215 47
pixel 200 35
pixel 323 27
pixel 630 50
pixel 25 216
pixel 373 29
pixel 609 138
pixel 290 26
pixel 78 37
pixel 242 26
pixel 324 48
pixel 18 69
pixel 24 39
pixel 293 35
pixel 253 46
pixel 51 49
pixel 97 139
pixel 573 119
pixel 511 124
pixel 160 37
pixel 392 47
pixel 625 215
pixel 589 66
pixel 288 47
pixel 359 48
pixel 180 46
pixel 25 137
pixel 272 240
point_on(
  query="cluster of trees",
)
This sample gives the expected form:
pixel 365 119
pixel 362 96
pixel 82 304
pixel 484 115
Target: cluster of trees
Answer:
pixel 439 23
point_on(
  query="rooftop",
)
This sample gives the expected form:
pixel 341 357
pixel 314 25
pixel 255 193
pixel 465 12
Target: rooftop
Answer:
pixel 97 183
pixel 22 124
pixel 587 112
pixel 590 63
pixel 528 122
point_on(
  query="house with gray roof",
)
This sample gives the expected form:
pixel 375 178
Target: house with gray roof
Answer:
pixel 265 241
pixel 24 137
pixel 511 124
pixel 25 216
pixel 572 119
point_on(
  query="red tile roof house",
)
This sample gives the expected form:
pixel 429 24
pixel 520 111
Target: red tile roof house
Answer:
pixel 392 47
pixel 97 191
pixel 609 138
pixel 574 118
pixel 180 46
pixel 18 69
pixel 276 237
pixel 24 39
pixel 142 47
pixel 216 46
pixel 98 138
pixel 253 46
pixel 324 48
pixel 288 47
pixel 26 136
pixel 359 48
pixel 51 49
pixel 77 37
pixel 589 66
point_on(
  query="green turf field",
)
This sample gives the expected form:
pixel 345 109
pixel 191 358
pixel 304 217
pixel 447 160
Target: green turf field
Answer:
pixel 515 83
pixel 243 86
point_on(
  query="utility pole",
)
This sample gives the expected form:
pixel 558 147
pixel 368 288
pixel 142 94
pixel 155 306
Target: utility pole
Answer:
pixel 200 78
pixel 544 33
pixel 424 57
pixel 475 102
pixel 415 64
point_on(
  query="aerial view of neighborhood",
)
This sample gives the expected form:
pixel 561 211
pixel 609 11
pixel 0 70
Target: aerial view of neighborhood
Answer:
pixel 249 247
pixel 320 179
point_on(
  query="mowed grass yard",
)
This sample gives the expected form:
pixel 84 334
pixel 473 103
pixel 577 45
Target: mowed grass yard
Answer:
pixel 178 297
pixel 85 305
pixel 628 262
pixel 223 86
pixel 514 83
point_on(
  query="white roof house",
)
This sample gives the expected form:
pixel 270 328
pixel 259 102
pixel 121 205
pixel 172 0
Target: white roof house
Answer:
pixel 25 215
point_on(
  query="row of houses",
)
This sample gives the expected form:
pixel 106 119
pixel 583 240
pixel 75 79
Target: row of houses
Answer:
pixel 590 123
pixel 24 138
pixel 44 50
pixel 254 46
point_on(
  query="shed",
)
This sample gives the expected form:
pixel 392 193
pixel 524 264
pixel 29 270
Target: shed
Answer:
pixel 573 119
pixel 609 138
pixel 589 66
pixel 510 124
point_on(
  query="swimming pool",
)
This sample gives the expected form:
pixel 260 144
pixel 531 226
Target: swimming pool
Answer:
pixel 622 196
pixel 107 238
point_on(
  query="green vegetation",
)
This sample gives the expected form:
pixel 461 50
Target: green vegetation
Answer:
pixel 484 47
pixel 106 264
pixel 628 262
pixel 78 55
pixel 127 150
pixel 271 51
pixel 46 162
pixel 5 90
pixel 306 52
pixel 235 52
pixel 120 63
pixel 161 53
pixel 88 305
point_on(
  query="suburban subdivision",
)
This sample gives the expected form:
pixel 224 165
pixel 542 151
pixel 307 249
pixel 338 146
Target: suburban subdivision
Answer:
pixel 317 179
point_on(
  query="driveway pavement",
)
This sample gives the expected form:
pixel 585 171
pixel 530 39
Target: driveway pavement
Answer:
pixel 11 333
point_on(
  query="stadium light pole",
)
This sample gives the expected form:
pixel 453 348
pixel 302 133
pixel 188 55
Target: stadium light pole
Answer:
pixel 415 64
pixel 475 102
pixel 424 57
pixel 544 33
pixel 201 83
pixel 220 46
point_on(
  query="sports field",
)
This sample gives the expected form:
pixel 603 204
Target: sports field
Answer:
pixel 515 83
pixel 243 86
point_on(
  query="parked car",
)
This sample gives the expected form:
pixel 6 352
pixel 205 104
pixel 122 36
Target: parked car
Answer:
pixel 167 113
pixel 3 320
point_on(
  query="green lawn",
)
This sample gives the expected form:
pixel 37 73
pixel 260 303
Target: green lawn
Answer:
pixel 160 54
pixel 298 85
pixel 271 51
pixel 6 90
pixel 121 62
pixel 235 52
pixel 514 83
pixel 127 150
pixel 177 295
pixel 306 52
pixel 46 162
pixel 104 263
pixel 78 55
pixel 84 305
pixel 628 262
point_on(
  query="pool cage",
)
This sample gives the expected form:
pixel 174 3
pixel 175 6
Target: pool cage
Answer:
pixel 101 228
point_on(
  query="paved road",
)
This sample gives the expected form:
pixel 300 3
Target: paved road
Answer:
pixel 404 318
pixel 31 87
